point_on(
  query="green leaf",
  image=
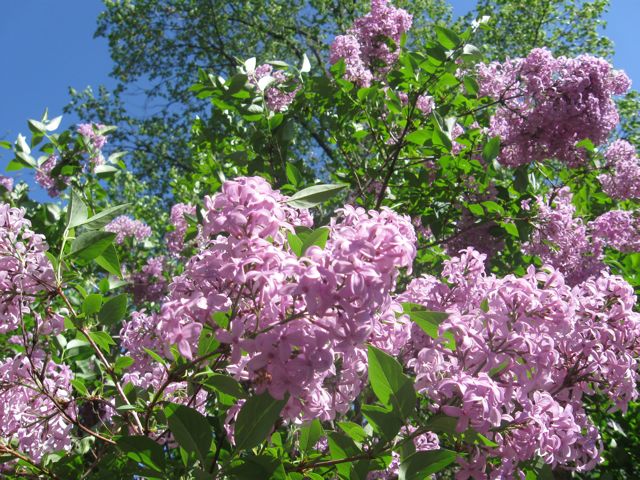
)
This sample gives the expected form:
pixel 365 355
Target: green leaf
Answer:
pixel 420 136
pixel 80 387
pixel 442 424
pixel 306 64
pixel 384 422
pixel 225 384
pixel 476 209
pixel 113 310
pixel 78 212
pixel 309 435
pixel 109 260
pixel 265 81
pixel 315 195
pixel 250 65
pixel 355 431
pixel 54 123
pixel 22 144
pixel 317 237
pixel 89 245
pixel 440 138
pixel 190 428
pixel 263 467
pixel 207 343
pixel 143 450
pixel 236 83
pixel 295 243
pixel 491 149
pixel 255 420
pixel 155 356
pixel 103 340
pixel 587 145
pixel 123 362
pixel 422 464
pixel 429 322
pixel 471 52
pixel 511 229
pixel 105 171
pixel 92 304
pixel 341 446
pixel 447 38
pixel 36 126
pixel 471 85
pixel 493 207
pixel 293 174
pixel 101 219
pixel 392 387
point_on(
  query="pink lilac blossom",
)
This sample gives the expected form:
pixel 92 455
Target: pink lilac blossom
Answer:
pixel 299 325
pixel 548 105
pixel 175 238
pixel 124 227
pixel 561 239
pixel 527 352
pixel 276 96
pixel 456 131
pixel 46 181
pixel 90 131
pixel 6 182
pixel 347 48
pixel 618 229
pixel 623 181
pixel 25 270
pixel 96 141
pixel 138 335
pixel 424 103
pixel 371 46
pixel 150 285
pixel 28 415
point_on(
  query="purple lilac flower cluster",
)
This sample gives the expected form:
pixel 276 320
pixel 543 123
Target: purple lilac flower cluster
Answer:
pixel 124 227
pixel 45 180
pixel 175 238
pixel 27 415
pixel 96 141
pixel 276 96
pixel 547 105
pixel 371 46
pixel 6 183
pixel 623 181
pixel 294 319
pixel 618 229
pixel 424 103
pixel 527 352
pixel 561 239
pixel 25 270
pixel 150 285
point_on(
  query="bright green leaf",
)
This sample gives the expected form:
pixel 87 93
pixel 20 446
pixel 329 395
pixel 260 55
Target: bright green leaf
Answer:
pixel 256 419
pixel 424 463
pixel 315 195
pixel 89 245
pixel 392 387
pixel 113 310
pixel 190 428
pixel 142 449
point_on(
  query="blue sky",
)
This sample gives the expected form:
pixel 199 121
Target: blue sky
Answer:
pixel 47 46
